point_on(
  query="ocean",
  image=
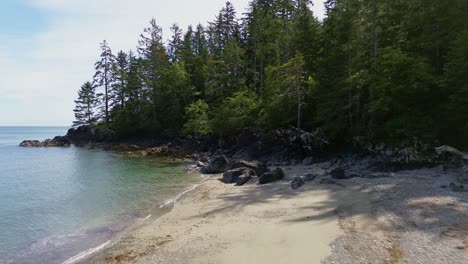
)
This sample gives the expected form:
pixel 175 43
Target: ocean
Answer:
pixel 58 202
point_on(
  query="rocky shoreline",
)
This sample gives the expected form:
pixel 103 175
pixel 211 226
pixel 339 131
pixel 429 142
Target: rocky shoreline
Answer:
pixel 393 204
pixel 249 155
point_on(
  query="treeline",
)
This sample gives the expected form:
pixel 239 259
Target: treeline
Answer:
pixel 384 70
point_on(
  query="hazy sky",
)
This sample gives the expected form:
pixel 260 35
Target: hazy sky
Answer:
pixel 48 47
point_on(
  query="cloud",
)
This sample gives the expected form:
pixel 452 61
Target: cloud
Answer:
pixel 43 71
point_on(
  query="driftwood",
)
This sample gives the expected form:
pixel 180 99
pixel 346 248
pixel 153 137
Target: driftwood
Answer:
pixel 453 151
pixel 463 177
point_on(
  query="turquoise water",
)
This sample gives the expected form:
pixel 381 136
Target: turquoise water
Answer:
pixel 57 202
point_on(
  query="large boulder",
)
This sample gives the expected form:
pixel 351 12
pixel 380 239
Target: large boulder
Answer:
pixel 217 164
pixel 231 176
pixel 259 167
pixel 271 176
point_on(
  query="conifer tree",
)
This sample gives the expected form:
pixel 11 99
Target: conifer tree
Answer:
pixel 85 106
pixel 104 77
pixel 120 77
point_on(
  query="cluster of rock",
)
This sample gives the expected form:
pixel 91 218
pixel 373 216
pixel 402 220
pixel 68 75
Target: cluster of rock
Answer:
pixel 240 171
pixel 58 141
pixel 86 134
pixel 280 147
pixel 407 155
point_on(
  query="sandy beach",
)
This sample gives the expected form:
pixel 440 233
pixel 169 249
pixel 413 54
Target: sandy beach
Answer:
pixel 395 219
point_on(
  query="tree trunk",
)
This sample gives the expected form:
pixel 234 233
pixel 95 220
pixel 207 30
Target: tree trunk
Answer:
pixel 106 97
pixel 299 102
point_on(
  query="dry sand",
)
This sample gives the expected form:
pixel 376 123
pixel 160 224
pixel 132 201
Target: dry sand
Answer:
pixel 404 218
pixel 221 223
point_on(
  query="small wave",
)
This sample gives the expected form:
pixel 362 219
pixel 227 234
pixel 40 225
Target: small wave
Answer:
pixel 147 217
pixel 86 253
pixel 173 201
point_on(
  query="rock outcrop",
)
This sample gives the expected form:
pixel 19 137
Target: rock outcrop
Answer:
pixel 58 141
pixel 85 134
pixel 217 164
pixel 231 176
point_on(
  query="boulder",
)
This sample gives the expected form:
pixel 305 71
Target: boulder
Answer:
pixel 217 164
pixel 338 173
pixel 271 176
pixel 243 179
pixel 309 177
pixel 231 176
pixel 308 161
pixel 259 167
pixel 297 182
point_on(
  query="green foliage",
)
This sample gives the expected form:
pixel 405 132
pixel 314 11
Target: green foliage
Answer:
pixel 404 92
pixel 456 88
pixel 235 113
pixel 197 118
pixel 387 70
pixel 85 109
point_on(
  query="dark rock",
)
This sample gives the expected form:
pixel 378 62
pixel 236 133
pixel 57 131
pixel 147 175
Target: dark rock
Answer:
pixel 309 177
pixel 456 188
pixel 338 173
pixel 443 186
pixel 61 141
pixel 31 143
pixel 297 182
pixel 329 181
pixel 374 175
pixel 84 134
pixel 231 176
pixel 243 179
pixel 217 164
pixel 58 141
pixel 247 137
pixel 271 176
pixel 308 161
pixel 259 167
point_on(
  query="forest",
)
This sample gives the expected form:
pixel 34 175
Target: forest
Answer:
pixel 387 71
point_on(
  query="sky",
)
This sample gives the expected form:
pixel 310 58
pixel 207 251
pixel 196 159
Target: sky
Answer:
pixel 48 47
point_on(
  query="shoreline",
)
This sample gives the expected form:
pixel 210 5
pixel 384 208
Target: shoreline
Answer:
pixel 323 231
pixel 380 220
pixel 136 223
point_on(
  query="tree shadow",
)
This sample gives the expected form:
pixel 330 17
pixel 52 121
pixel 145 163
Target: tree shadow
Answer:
pixel 408 201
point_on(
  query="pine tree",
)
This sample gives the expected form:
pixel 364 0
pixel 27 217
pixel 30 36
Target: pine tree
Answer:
pixel 175 43
pixel 104 77
pixel 120 77
pixel 85 106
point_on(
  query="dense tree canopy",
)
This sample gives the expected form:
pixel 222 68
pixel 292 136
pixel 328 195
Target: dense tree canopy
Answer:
pixel 386 70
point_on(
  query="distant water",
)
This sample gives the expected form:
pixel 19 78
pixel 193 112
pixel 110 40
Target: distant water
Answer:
pixel 57 202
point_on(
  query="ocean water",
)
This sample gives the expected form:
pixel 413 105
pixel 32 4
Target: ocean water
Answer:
pixel 57 202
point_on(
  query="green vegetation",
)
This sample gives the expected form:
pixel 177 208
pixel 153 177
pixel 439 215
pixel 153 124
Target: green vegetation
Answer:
pixel 385 70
